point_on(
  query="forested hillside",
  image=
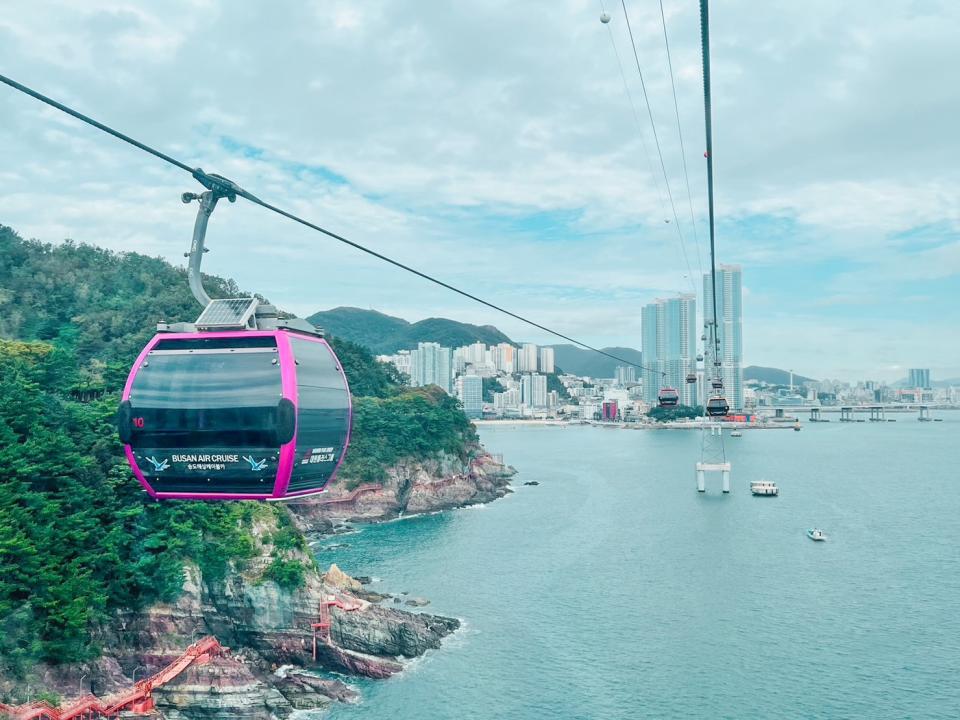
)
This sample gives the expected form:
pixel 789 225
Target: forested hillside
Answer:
pixel 78 536
pixel 386 334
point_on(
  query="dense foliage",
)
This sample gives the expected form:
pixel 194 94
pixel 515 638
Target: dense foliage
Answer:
pixel 386 334
pixel 367 377
pixel 416 423
pixel 78 536
pixel 491 385
pixel 664 414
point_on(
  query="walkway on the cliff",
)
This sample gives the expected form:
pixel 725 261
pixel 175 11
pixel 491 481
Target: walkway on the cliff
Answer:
pixel 137 699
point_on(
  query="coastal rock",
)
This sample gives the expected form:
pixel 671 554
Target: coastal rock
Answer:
pixel 424 486
pixel 417 602
pixel 382 631
pixel 223 688
pixel 339 579
pixel 305 692
pixel 269 625
pixel 532 482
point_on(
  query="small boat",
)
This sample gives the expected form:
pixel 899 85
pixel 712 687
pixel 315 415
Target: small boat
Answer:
pixel 816 534
pixel 796 428
pixel 764 488
pixel 736 433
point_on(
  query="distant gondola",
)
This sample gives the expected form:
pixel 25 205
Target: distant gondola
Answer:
pixel 668 397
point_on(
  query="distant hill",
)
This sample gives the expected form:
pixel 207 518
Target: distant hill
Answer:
pixel 773 376
pixel 386 334
pixel 577 361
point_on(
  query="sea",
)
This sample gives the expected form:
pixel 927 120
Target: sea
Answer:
pixel 613 589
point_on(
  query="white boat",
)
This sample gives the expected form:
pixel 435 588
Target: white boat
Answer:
pixel 764 487
pixel 736 433
pixel 816 534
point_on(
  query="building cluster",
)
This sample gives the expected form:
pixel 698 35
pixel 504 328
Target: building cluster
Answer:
pixel 522 381
pixel 674 350
pixel 917 389
pixel 519 375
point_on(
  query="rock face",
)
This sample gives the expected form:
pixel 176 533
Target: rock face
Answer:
pixel 223 688
pixel 411 487
pixel 266 626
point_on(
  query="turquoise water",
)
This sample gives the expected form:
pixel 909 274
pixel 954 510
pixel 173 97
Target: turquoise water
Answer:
pixel 614 590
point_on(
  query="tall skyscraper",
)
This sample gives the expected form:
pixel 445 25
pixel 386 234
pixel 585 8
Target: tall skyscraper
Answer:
pixel 528 358
pixel 919 378
pixel 470 393
pixel 533 390
pixel 729 328
pixel 431 364
pixel 546 360
pixel 669 337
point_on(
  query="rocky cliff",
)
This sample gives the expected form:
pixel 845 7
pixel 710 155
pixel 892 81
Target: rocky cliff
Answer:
pixel 270 626
pixel 270 630
pixel 410 487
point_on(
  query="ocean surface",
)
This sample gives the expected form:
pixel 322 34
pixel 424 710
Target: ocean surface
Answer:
pixel 614 590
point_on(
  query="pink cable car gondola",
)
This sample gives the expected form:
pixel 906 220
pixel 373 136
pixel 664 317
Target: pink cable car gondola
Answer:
pixel 241 404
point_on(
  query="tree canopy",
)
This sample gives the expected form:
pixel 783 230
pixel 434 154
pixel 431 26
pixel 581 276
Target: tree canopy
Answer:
pixel 79 538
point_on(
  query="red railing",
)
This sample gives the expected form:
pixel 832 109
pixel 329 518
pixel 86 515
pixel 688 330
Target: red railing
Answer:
pixel 137 699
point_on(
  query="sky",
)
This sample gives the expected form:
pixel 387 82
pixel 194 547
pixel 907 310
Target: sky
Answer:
pixel 497 146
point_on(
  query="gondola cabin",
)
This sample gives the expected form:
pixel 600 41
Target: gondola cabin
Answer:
pixel 232 415
pixel 668 397
pixel 717 407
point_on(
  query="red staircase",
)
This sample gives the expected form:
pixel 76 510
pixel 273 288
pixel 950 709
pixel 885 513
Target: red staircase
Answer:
pixel 321 628
pixel 137 699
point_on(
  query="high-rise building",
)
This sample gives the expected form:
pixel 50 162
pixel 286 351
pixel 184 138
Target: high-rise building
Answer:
pixel 476 353
pixel 508 399
pixel 546 360
pixel 919 378
pixel 729 328
pixel 503 357
pixel 533 390
pixel 470 393
pixel 626 375
pixel 431 364
pixel 528 358
pixel 669 337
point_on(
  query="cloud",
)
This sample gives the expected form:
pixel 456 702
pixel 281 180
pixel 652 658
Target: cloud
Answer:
pixel 493 145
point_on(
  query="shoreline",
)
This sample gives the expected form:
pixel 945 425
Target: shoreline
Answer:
pixel 629 426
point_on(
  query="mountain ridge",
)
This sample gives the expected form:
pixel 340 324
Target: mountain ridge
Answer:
pixel 385 334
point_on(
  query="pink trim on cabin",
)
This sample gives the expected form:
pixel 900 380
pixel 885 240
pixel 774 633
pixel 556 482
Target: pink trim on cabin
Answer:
pixel 136 471
pixel 346 443
pixel 288 383
pixel 288 380
pixel 209 496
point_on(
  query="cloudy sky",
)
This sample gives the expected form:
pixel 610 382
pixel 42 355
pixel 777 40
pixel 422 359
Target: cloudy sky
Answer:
pixel 494 145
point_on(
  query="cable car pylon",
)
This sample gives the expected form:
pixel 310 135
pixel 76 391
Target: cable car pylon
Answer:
pixel 713 457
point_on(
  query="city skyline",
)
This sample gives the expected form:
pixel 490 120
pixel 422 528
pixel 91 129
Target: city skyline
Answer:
pixel 484 170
